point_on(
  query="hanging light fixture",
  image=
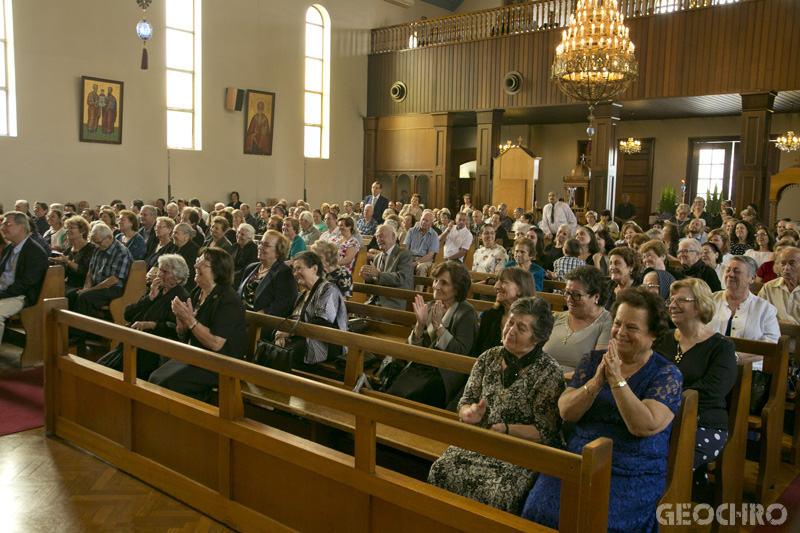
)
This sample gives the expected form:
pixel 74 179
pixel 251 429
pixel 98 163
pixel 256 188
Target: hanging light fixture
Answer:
pixel 595 60
pixel 144 30
pixel 789 142
pixel 631 146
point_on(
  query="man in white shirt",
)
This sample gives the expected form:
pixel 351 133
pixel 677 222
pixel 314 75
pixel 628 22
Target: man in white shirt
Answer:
pixel 784 292
pixel 555 214
pixel 457 239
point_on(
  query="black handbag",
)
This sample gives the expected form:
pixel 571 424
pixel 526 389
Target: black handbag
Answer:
pixel 357 325
pixel 759 392
pixel 270 355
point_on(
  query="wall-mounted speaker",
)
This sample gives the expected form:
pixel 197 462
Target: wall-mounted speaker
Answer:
pixel 512 83
pixel 398 91
pixel 234 99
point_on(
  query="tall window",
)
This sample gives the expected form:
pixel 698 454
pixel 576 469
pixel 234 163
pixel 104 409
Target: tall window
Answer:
pixel 8 96
pixel 316 135
pixel 712 166
pixel 184 60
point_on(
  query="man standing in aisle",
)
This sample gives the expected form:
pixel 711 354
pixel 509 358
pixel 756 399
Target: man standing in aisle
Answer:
pixel 379 203
pixel 556 213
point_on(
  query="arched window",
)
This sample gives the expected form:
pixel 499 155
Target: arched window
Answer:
pixel 316 132
pixel 184 82
pixel 8 96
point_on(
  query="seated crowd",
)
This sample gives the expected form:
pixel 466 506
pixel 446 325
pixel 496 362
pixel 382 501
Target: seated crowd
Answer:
pixel 635 332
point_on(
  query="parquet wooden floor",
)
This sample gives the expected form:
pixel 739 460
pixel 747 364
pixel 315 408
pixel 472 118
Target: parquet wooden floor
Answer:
pixel 48 486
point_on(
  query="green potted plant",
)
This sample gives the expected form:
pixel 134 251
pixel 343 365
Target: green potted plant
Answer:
pixel 668 202
pixel 714 202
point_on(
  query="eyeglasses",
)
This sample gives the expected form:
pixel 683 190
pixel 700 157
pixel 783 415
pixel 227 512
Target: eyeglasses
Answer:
pixel 298 268
pixel 679 301
pixel 762 234
pixel 653 286
pixel 201 264
pixel 574 295
pixel 266 245
pixel 684 252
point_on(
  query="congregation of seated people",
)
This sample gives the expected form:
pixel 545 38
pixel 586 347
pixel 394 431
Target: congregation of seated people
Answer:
pixel 644 317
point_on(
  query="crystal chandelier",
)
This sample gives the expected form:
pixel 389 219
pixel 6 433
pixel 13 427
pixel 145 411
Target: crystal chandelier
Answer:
pixel 631 146
pixel 788 142
pixel 595 60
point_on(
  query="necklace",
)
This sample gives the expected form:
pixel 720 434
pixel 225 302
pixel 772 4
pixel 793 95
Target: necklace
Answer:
pixel 679 355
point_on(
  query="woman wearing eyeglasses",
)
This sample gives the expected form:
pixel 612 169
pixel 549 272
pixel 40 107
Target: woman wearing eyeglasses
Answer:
pixel 523 257
pixel 213 319
pixel 267 285
pixel 707 361
pixel 585 325
pixel 762 250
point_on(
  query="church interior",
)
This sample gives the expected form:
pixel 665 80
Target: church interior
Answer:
pixel 439 98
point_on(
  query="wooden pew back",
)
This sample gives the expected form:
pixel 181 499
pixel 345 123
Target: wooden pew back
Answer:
pixel 218 461
pixel 134 289
pixel 681 456
pixel 770 421
pixel 33 319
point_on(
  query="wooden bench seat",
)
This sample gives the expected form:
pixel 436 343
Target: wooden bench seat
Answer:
pixel 219 461
pixel 769 424
pixel 681 454
pixel 33 320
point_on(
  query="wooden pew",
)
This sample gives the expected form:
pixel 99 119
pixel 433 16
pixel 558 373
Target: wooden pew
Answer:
pixel 361 260
pixel 727 468
pixel 551 285
pixel 218 461
pixel 33 319
pixel 135 286
pixel 681 455
pixel 793 400
pixel 769 424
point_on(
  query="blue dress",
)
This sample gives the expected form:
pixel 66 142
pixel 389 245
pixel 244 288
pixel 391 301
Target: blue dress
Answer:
pixel 638 465
pixel 136 246
pixel 536 270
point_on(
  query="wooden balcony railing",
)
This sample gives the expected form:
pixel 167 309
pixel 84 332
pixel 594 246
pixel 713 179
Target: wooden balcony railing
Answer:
pixel 511 20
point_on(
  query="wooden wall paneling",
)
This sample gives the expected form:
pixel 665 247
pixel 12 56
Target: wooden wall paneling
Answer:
pixel 488 138
pixel 752 177
pixel 603 162
pixel 443 131
pixel 95 406
pixel 735 48
pixel 635 178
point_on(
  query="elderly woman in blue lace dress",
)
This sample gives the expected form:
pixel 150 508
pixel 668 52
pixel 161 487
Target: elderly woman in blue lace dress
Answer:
pixel 630 394
pixel 512 389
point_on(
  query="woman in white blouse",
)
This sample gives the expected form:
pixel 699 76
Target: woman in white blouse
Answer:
pixel 491 256
pixel 740 313
pixel 762 251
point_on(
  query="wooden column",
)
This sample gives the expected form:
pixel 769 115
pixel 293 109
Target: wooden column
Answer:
pixel 488 140
pixel 603 162
pixel 370 149
pixel 752 178
pixel 443 128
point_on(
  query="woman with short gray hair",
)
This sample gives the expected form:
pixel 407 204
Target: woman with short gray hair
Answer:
pixel 740 313
pixel 244 251
pixel 153 314
pixel 512 389
pixel 183 239
pixel 308 232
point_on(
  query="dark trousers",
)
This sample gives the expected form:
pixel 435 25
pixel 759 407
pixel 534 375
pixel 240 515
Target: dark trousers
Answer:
pixel 184 378
pixel 87 302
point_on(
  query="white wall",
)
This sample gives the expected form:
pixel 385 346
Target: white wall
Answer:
pixel 248 44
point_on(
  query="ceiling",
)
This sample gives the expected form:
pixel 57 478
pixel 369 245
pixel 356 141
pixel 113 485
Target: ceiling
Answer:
pixel 451 5
pixel 668 108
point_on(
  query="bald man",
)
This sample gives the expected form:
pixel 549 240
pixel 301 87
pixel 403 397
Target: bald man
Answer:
pixel 556 213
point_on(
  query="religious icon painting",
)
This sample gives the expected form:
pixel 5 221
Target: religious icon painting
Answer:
pixel 259 122
pixel 101 111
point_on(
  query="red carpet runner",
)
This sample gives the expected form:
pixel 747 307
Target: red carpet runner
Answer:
pixel 21 401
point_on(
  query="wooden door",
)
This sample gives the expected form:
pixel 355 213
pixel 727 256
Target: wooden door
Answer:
pixel 635 178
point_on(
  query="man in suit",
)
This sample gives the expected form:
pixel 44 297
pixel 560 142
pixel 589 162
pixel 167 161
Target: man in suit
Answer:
pixel 393 267
pixel 23 266
pixel 379 203
pixel 555 214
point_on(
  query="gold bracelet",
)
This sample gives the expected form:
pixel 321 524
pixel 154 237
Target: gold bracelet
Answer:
pixel 588 391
